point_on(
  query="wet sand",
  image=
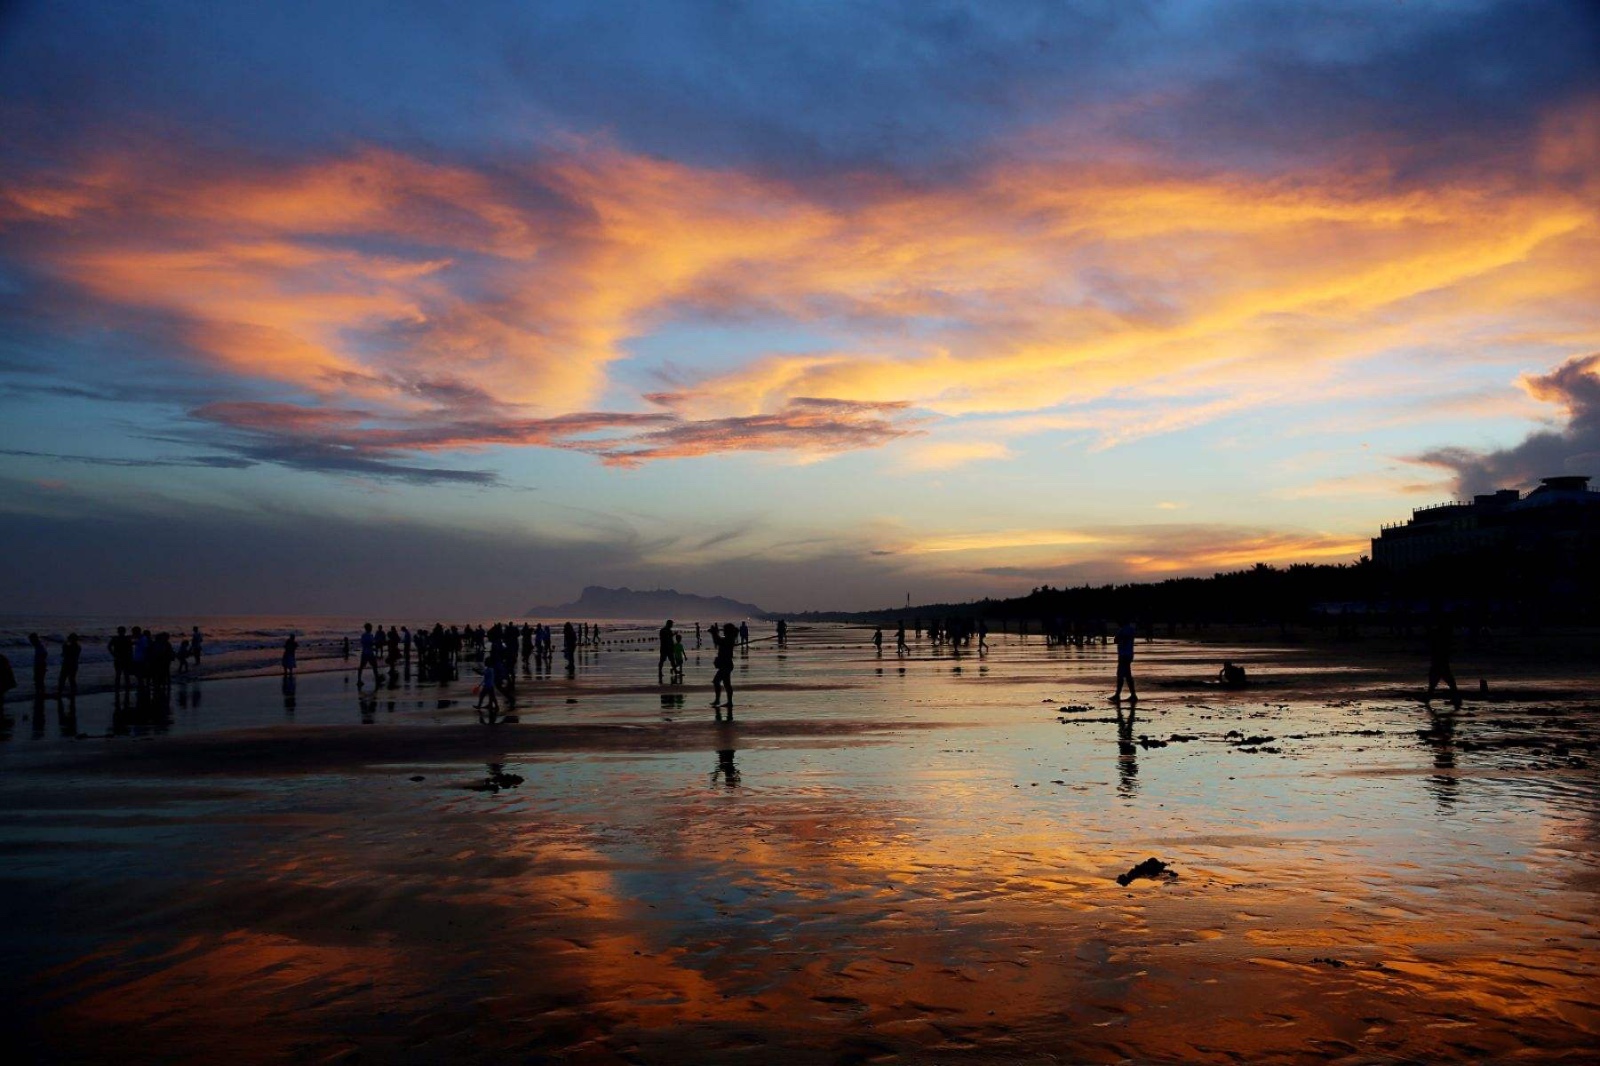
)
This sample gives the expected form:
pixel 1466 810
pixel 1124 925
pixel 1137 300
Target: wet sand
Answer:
pixel 866 865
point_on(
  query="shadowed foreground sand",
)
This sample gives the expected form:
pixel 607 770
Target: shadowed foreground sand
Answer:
pixel 868 866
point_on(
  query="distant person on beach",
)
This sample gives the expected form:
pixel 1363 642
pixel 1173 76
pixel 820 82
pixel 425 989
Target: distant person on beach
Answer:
pixel 369 657
pixel 900 645
pixel 194 643
pixel 665 649
pixel 345 649
pixel 723 664
pixel 1439 649
pixel 41 664
pixel 744 634
pixel 289 647
pixel 569 646
pixel 983 635
pixel 71 651
pixel 1231 675
pixel 783 632
pixel 121 651
pixel 677 658
pixel 877 640
pixel 183 656
pixel 697 640
pixel 139 657
pixel 1125 638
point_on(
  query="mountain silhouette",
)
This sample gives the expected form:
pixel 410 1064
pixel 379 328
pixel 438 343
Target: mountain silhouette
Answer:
pixel 597 601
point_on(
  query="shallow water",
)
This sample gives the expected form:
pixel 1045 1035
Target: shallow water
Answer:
pixel 877 860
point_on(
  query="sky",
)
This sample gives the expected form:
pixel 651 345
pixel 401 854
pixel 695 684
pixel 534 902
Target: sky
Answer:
pixel 456 310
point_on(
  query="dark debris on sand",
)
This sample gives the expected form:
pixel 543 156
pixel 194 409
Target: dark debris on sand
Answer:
pixel 1152 868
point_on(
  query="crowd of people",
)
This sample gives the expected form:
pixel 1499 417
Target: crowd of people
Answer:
pixel 145 661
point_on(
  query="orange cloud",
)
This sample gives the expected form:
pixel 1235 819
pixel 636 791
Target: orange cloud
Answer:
pixel 1029 286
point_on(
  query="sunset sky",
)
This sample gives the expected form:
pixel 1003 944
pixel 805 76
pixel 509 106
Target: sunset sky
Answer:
pixel 451 308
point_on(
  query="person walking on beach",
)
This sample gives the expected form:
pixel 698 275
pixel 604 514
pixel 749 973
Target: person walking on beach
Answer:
pixel 41 665
pixel 369 657
pixel 877 641
pixel 486 688
pixel 900 645
pixel 569 648
pixel 722 678
pixel 68 677
pixel 289 647
pixel 666 643
pixel 194 644
pixel 783 633
pixel 1439 649
pixel 1125 638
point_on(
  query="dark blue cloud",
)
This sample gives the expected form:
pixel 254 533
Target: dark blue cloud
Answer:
pixel 804 87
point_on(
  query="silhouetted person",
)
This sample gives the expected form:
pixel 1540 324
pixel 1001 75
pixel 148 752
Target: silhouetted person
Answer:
pixel 369 657
pixel 665 649
pixel 877 641
pixel 1439 649
pixel 697 641
pixel 195 640
pixel 344 649
pixel 289 647
pixel 183 656
pixel 8 677
pixel 121 651
pixel 67 679
pixel 1231 675
pixel 569 647
pixel 900 645
pixel 1125 638
pixel 722 678
pixel 783 633
pixel 744 634
pixel 41 664
pixel 983 635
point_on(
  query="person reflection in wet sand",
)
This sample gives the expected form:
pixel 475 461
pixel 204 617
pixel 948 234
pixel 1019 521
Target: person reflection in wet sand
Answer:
pixel 1441 737
pixel 288 695
pixel 725 767
pixel 1127 755
pixel 67 716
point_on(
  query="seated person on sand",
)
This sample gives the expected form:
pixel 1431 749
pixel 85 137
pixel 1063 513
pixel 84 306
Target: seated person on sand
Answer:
pixel 1231 676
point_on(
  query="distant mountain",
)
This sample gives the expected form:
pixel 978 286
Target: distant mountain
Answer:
pixel 600 602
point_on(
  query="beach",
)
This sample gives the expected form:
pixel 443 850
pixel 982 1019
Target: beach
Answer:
pixel 876 859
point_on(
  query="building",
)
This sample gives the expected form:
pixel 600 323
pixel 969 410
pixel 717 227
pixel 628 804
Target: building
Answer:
pixel 1557 523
